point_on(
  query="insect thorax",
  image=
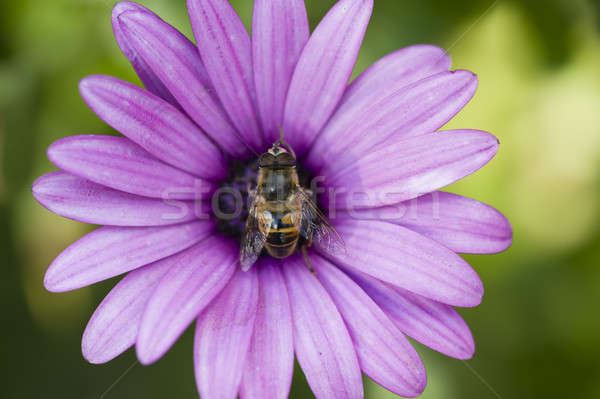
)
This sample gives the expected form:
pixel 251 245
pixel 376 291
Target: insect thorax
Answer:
pixel 277 184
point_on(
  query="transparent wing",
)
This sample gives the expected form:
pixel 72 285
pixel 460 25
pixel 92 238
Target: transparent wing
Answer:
pixel 253 240
pixel 317 228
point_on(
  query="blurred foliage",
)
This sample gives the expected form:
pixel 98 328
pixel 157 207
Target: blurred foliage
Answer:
pixel 539 68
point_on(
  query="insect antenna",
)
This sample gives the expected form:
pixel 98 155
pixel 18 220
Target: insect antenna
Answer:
pixel 284 143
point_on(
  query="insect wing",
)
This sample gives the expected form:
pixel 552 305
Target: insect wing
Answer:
pixel 253 240
pixel 317 228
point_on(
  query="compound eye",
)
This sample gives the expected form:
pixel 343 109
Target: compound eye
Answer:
pixel 286 159
pixel 266 160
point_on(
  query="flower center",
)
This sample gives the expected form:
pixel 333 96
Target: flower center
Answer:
pixel 234 198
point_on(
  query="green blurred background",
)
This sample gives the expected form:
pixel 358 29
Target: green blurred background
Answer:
pixel 538 62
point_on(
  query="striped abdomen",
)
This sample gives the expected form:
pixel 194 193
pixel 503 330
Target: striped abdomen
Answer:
pixel 283 234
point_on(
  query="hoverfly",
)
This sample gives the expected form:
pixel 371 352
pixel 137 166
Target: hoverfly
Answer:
pixel 282 216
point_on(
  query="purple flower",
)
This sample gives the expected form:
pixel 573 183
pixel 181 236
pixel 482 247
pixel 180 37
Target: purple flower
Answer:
pixel 205 113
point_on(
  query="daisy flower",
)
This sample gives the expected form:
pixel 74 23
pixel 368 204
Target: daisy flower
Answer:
pixel 166 194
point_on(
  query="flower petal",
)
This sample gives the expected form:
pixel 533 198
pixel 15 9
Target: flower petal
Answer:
pixel 433 324
pixel 323 70
pixel 155 125
pixel 110 251
pixel 147 76
pixel 223 336
pixel 175 60
pixel 114 326
pixel 225 48
pixel 459 223
pixel 191 283
pixel 397 112
pixel 118 163
pixel 279 32
pixel 383 351
pixel 402 67
pixel 407 169
pixel 392 72
pixel 270 363
pixel 79 199
pixel 408 260
pixel 323 346
pixel 462 224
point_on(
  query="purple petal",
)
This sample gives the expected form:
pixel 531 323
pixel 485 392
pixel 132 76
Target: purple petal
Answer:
pixel 191 283
pixel 408 260
pixel 459 223
pixel 114 326
pixel 383 351
pixel 323 346
pixel 323 70
pixel 413 167
pixel 398 112
pixel 155 125
pixel 79 199
pixel 270 363
pixel 119 163
pixel 110 251
pixel 225 48
pixel 405 66
pixel 147 76
pixel 279 32
pixel 223 336
pixel 175 60
pixel 433 324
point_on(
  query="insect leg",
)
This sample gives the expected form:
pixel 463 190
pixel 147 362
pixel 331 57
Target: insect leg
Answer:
pixel 307 260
